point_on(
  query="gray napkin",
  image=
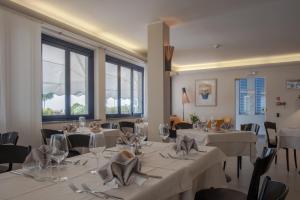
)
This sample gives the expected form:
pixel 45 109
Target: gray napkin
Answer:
pixel 38 158
pixel 69 128
pixel 95 127
pixel 126 138
pixel 122 167
pixel 186 144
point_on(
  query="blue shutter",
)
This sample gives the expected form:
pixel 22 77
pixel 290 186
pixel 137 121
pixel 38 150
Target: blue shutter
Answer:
pixel 259 96
pixel 243 86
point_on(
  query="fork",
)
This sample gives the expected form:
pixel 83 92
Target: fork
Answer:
pixel 174 157
pixel 77 190
pixel 106 196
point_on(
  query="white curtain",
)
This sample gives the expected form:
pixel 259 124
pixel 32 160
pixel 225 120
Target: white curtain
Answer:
pixel 20 77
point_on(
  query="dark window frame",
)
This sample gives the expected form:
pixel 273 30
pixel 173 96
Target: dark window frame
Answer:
pixel 121 63
pixel 70 47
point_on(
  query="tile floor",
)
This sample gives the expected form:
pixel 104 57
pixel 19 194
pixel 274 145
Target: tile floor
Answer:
pixel 276 172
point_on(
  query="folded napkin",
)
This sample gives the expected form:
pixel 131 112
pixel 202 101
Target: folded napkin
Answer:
pixel 38 158
pixel 95 127
pixel 69 128
pixel 186 144
pixel 126 138
pixel 122 169
pixel 226 126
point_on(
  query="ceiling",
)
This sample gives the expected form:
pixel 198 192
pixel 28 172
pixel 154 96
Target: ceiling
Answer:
pixel 244 29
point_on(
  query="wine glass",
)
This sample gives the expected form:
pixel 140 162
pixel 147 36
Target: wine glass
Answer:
pixel 59 150
pixel 140 133
pixel 164 131
pixel 95 149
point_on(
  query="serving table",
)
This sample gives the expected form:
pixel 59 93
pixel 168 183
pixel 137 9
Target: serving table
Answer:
pixel 180 178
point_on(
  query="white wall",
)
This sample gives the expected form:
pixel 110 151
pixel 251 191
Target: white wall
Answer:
pixel 275 86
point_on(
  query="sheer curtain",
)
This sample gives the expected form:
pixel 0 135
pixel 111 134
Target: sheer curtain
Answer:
pixel 20 77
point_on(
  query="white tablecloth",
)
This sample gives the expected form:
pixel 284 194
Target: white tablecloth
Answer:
pixel 289 138
pixel 107 137
pixel 181 178
pixel 232 143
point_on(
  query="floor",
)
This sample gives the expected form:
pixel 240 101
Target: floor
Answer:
pixel 277 172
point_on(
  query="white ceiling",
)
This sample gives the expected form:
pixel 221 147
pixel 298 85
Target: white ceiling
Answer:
pixel 244 28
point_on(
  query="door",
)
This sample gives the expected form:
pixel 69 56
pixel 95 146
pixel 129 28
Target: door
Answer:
pixel 250 102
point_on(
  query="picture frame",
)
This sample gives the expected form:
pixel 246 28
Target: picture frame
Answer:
pixel 293 84
pixel 206 92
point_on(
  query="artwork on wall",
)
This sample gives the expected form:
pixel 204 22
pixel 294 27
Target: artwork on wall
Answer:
pixel 293 84
pixel 206 92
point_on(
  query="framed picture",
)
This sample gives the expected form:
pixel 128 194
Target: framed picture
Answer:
pixel 293 84
pixel 206 92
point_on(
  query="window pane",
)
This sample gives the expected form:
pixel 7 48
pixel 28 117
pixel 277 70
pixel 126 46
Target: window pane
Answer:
pixel 125 90
pixel 79 84
pixel 111 85
pixel 53 96
pixel 244 99
pixel 137 92
pixel 260 95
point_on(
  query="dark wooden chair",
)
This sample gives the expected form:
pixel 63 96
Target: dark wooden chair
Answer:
pixel 106 125
pixel 261 166
pixel 13 154
pixel 77 141
pixel 273 143
pixel 272 190
pixel 246 127
pixel 47 133
pixel 9 138
pixel 183 125
pixel 127 126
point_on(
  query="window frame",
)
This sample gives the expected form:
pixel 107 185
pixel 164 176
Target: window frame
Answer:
pixel 121 63
pixel 68 48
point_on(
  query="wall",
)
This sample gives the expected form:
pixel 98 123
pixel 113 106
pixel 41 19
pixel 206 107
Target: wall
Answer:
pixel 275 86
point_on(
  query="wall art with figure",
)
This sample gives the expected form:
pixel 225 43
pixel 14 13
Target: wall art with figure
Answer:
pixel 206 92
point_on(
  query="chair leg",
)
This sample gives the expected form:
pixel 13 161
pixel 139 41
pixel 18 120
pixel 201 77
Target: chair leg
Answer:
pixel 287 159
pixel 295 158
pixel 240 158
pixel 224 165
pixel 238 167
pixel 275 159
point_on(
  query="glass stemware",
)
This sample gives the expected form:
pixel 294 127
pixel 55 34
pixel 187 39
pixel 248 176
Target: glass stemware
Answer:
pixel 140 133
pixel 59 150
pixel 95 150
pixel 164 131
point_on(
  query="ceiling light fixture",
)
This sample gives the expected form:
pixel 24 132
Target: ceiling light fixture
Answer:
pixel 241 62
pixel 69 19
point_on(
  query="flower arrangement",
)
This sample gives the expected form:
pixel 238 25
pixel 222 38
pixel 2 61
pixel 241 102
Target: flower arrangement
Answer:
pixel 194 118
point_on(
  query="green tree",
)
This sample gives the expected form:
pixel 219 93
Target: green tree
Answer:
pixel 46 97
pixel 78 109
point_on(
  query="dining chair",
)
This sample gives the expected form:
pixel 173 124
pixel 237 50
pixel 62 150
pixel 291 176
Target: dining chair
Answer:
pixel 261 166
pixel 246 127
pixel 47 133
pixel 273 142
pixel 76 142
pixel 127 126
pixel 9 138
pixel 13 154
pixel 272 190
pixel 183 125
pixel 106 125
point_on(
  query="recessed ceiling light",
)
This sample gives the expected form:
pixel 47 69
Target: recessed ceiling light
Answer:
pixel 217 46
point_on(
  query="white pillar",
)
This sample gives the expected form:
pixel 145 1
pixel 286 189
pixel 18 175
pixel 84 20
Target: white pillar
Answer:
pixel 158 79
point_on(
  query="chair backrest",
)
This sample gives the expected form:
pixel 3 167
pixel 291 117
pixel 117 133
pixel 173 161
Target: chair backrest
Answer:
pixel 127 126
pixel 183 125
pixel 79 140
pixel 270 126
pixel 13 154
pixel 272 190
pixel 106 125
pixel 250 127
pixel 261 166
pixel 46 134
pixel 9 138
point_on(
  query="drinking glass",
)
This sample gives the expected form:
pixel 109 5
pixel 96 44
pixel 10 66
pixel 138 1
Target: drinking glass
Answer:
pixel 95 150
pixel 82 123
pixel 58 150
pixel 140 133
pixel 164 131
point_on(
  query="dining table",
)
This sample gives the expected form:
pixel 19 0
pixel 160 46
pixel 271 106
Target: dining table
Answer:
pixel 231 142
pixel 179 178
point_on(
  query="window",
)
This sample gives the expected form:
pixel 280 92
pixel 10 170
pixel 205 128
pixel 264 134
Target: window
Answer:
pixel 260 99
pixel 124 88
pixel 252 96
pixel 68 80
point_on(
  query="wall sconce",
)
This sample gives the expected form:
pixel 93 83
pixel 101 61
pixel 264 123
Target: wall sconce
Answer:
pixel 185 100
pixel 168 51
